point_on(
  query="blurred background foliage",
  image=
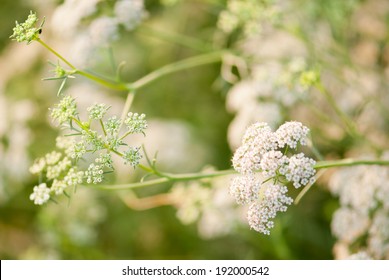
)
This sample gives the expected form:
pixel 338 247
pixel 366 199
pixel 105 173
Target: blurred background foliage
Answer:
pixel 190 104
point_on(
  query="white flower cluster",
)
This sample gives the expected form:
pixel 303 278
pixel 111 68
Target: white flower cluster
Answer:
pixel 262 212
pixel 263 167
pixel 58 168
pixel 97 111
pixel 135 123
pixel 65 110
pixel 361 224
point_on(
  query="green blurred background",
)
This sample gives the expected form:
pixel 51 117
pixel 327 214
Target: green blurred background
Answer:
pixel 96 224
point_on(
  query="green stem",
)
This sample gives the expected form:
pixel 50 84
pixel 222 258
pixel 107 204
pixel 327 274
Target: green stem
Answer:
pixel 102 126
pixel 349 124
pixel 126 108
pixel 175 67
pixel 55 53
pixel 88 131
pixel 348 162
pixel 102 81
pixel 168 177
pixel 163 71
pixel 105 82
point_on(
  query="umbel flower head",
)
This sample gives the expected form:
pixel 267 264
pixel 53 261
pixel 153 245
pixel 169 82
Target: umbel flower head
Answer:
pixel 265 168
pixel 100 137
pixel 27 31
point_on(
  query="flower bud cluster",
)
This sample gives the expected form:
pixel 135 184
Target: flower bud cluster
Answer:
pixel 98 134
pixel 26 31
pixel 65 110
pixel 58 169
pixel 135 123
pixel 265 167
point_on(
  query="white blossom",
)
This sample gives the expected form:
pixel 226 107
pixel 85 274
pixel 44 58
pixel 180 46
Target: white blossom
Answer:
pixel 245 189
pixel 136 123
pixel 94 174
pixel 41 194
pixel 300 170
pixel 38 166
pixel 73 177
pixel 259 157
pixel 53 157
pixel 291 134
pixel 65 110
pixel 54 171
pixel 261 213
pixel 273 162
pixel 132 156
pixel 260 138
pixel 58 186
pixel 97 111
pixel 245 160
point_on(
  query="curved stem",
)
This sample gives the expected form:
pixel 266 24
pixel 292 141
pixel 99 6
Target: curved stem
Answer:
pixel 168 177
pixel 163 71
pixel 55 53
pixel 349 162
pixel 102 81
pixel 175 67
pixel 105 82
pixel 349 124
pixel 126 108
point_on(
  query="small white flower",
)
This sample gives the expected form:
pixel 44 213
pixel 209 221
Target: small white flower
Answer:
pixel 73 177
pixel 97 111
pixel 41 194
pixel 260 137
pixel 58 186
pixel 53 157
pixel 38 166
pixel 132 156
pixel 272 162
pixel 77 150
pixel 292 133
pixel 245 160
pixel 105 160
pixel 94 174
pixel 135 122
pixel 54 171
pixel 245 189
pixel 262 212
pixel 65 110
pixel 300 170
pixel 112 125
